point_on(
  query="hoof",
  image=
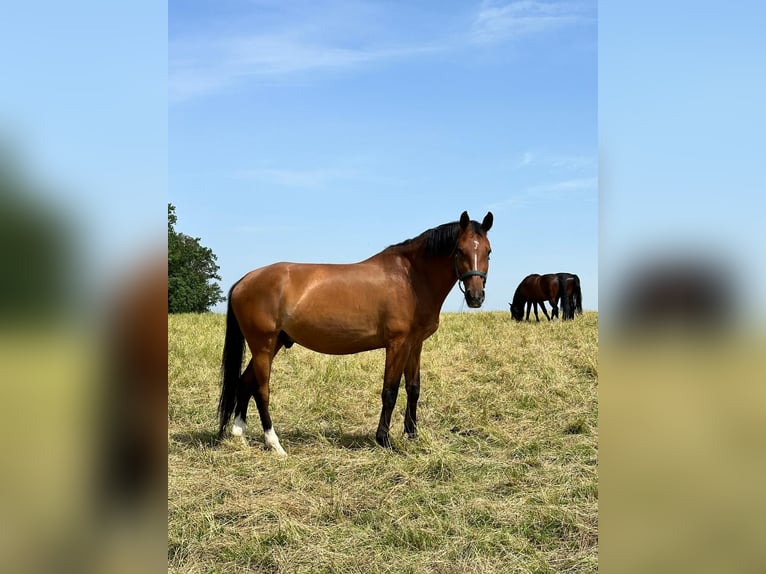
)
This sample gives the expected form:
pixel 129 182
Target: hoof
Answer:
pixel 383 440
pixel 272 442
pixel 238 428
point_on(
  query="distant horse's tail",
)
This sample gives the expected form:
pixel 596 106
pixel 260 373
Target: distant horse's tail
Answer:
pixel 231 366
pixel 577 294
pixel 565 309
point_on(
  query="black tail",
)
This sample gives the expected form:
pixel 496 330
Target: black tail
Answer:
pixel 231 368
pixel 565 309
pixel 577 294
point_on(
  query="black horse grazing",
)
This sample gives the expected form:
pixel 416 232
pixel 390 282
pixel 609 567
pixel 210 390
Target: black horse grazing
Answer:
pixel 573 292
pixel 537 289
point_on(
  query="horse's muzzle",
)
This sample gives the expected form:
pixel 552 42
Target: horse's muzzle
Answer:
pixel 474 299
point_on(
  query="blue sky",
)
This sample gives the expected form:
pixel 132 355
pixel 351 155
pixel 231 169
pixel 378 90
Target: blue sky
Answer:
pixel 324 132
pixel 469 106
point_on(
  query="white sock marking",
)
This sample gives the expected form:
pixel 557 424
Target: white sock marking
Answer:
pixel 272 442
pixel 238 429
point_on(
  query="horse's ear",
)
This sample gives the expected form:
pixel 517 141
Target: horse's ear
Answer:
pixel 486 225
pixel 464 220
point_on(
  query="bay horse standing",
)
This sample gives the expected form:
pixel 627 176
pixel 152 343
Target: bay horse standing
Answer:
pixel 537 289
pixel 391 300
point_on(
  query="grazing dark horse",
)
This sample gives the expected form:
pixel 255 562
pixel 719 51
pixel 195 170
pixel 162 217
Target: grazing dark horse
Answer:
pixel 573 292
pixel 537 289
pixel 391 300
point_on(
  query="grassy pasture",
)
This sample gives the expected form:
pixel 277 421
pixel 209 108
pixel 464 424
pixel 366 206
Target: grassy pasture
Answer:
pixel 503 476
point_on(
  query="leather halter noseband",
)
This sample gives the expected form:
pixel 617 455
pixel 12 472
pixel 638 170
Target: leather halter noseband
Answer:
pixel 461 278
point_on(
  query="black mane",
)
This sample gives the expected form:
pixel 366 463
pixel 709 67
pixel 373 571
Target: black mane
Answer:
pixel 439 241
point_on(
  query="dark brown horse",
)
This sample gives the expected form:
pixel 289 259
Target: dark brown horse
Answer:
pixel 391 300
pixel 574 293
pixel 536 289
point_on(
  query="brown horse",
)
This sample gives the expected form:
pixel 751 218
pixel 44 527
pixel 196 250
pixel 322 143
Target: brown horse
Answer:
pixel 391 300
pixel 574 294
pixel 536 289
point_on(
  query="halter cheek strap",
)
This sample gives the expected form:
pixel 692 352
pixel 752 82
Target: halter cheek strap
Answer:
pixel 461 278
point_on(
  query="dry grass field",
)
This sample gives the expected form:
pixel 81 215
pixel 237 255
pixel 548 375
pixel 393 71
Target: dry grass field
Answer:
pixel 503 476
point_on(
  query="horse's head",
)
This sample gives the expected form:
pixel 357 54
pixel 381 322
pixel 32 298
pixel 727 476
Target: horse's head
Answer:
pixel 472 258
pixel 517 311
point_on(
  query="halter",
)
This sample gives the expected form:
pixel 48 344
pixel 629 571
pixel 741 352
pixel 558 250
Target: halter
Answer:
pixel 461 278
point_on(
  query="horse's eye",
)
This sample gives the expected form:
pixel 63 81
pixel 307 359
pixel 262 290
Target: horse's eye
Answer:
pixel 460 251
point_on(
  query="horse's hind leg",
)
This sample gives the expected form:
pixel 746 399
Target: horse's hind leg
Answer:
pixel 262 370
pixel 545 311
pixel 244 392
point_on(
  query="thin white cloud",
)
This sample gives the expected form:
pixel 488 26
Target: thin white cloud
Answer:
pixel 546 191
pixel 567 163
pixel 558 187
pixel 523 161
pixel 203 65
pixel 500 20
pixel 574 162
pixel 198 68
pixel 518 200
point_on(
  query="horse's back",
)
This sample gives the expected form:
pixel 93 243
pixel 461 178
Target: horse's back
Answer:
pixel 530 286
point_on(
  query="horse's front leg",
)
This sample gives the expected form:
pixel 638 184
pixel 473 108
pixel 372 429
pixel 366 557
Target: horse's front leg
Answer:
pixel 412 384
pixel 554 309
pixel 396 357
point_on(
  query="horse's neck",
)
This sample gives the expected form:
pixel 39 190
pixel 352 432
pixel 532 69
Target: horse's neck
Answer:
pixel 439 277
pixel 435 275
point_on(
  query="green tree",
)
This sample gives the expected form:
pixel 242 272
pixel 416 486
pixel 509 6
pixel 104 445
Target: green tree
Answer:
pixel 192 272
